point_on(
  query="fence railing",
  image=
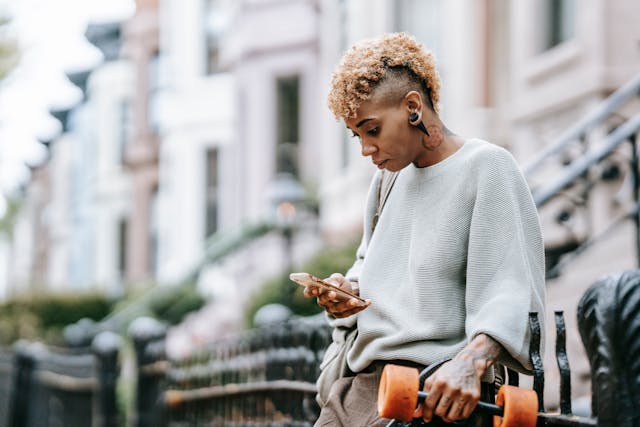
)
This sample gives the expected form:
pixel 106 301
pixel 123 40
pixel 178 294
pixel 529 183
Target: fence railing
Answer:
pixel 266 376
pixel 148 337
pixel 47 386
pixel 6 381
pixel 262 377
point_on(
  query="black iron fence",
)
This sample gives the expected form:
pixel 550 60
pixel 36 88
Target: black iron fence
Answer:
pixel 6 375
pixel 47 386
pixel 262 377
pixel 266 376
pixel 148 336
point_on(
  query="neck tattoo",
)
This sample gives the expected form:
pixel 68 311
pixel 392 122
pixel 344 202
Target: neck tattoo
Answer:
pixel 435 139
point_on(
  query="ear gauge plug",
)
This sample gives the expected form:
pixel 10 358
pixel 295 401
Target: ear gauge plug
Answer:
pixel 414 120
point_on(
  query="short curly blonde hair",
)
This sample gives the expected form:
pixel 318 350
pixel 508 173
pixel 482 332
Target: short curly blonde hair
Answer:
pixel 367 63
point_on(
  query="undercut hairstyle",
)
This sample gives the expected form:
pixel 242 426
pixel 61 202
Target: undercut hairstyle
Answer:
pixel 384 68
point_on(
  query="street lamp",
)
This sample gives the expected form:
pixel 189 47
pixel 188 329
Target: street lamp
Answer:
pixel 285 194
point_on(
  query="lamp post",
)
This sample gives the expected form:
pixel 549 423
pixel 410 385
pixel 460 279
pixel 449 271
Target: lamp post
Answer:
pixel 285 195
pixel 286 214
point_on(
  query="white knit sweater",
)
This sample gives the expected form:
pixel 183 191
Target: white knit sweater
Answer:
pixel 457 251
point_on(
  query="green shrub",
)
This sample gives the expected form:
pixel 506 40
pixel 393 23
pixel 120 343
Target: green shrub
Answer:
pixel 44 316
pixel 62 310
pixel 283 291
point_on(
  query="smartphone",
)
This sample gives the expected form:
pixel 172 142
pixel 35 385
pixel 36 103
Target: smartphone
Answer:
pixel 306 279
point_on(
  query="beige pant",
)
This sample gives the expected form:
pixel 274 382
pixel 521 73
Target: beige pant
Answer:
pixel 352 402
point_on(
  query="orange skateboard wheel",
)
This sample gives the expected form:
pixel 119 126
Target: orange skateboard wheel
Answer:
pixel 520 407
pixel 398 392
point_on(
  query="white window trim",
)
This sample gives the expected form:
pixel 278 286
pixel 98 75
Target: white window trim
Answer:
pixel 552 61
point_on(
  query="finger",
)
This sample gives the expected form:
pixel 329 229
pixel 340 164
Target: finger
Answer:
pixel 352 303
pixel 323 301
pixel 430 402
pixel 333 306
pixel 354 310
pixel 311 291
pixel 334 279
pixel 348 313
pixel 456 410
pixel 357 303
pixel 328 304
pixel 342 306
pixel 329 297
pixel 443 405
pixel 469 407
pixel 338 278
pixel 417 413
pixel 340 281
pixel 321 304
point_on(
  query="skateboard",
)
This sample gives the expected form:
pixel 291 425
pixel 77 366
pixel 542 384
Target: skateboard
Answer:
pixel 399 393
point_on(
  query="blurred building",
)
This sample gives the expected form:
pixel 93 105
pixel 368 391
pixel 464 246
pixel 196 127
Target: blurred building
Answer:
pixel 237 130
pixel 196 111
pixel 28 251
pixel 141 47
pixel 111 93
pixel 67 234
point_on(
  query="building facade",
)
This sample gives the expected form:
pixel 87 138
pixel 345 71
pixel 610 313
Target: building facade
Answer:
pixel 141 48
pixel 196 110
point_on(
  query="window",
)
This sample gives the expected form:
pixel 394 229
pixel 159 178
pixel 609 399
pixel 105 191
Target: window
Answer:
pixel 559 20
pixel 215 21
pixel 288 110
pixel 211 192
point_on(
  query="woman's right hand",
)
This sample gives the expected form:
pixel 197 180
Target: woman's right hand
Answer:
pixel 334 304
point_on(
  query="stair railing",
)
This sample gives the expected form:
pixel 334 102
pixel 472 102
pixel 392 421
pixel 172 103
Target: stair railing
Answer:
pixel 587 123
pixel 583 163
pixel 591 155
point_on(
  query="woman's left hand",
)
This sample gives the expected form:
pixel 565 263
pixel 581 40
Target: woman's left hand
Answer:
pixel 454 389
pixel 454 392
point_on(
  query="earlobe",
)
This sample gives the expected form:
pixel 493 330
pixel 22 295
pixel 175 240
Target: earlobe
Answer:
pixel 414 104
pixel 415 119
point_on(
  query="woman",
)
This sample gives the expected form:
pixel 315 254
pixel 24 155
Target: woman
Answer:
pixel 455 262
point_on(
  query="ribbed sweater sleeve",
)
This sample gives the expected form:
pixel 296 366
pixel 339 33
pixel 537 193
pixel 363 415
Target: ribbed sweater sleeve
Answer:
pixel 505 268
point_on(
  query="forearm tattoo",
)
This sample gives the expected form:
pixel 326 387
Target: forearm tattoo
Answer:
pixel 482 352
